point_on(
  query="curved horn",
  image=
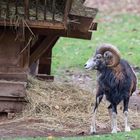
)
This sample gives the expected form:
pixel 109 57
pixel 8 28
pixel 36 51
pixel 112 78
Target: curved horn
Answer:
pixel 108 47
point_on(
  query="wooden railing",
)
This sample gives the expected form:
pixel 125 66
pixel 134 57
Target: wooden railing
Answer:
pixel 38 10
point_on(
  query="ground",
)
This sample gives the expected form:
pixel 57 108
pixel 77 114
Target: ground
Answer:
pixel 34 126
pixel 59 121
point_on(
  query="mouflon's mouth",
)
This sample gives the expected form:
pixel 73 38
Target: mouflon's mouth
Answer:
pixel 90 68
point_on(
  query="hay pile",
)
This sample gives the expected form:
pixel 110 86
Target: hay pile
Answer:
pixel 62 106
pixel 65 107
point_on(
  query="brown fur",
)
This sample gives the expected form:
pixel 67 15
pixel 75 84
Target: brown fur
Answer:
pixel 118 72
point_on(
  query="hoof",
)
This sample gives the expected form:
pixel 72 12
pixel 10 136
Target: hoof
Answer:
pixel 92 130
pixel 118 129
pixel 127 129
pixel 114 131
pixel 92 133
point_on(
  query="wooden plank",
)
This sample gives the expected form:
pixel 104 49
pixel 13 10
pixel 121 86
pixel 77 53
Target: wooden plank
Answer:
pixel 14 76
pixel 80 23
pixel 9 49
pixel 16 7
pixel 46 59
pixel 12 89
pixel 64 33
pixel 53 10
pixel 80 35
pixel 36 24
pixel 12 106
pixel 26 9
pixel 45 63
pixel 11 99
pixel 44 46
pixel 93 26
pixel 66 12
pixel 37 43
pixel 45 9
pixel 0 10
pixel 45 77
pixel 7 9
pixel 36 9
pixel 47 31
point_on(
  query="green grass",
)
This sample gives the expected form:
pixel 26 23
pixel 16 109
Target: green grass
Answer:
pixel 133 135
pixel 122 31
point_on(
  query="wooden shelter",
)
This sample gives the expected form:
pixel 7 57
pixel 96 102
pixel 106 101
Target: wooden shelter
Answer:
pixel 28 31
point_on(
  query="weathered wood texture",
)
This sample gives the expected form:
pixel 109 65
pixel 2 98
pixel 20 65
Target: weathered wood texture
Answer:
pixel 13 70
pixel 10 60
pixel 45 45
pixel 38 24
pixel 12 89
pixel 44 10
pixel 46 59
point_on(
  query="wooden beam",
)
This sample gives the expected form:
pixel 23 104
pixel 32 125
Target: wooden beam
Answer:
pixel 45 77
pixel 45 63
pixel 72 32
pixel 66 12
pixel 79 35
pixel 37 44
pixel 64 33
pixel 46 32
pixel 26 9
pixel 16 7
pixel 36 9
pixel 37 24
pixel 44 46
pixel 53 9
pixel 45 9
pixel 46 59
pixel 7 9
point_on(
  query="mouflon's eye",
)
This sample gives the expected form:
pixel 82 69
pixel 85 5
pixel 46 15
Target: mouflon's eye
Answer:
pixel 98 56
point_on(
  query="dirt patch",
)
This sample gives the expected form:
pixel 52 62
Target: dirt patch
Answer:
pixel 64 108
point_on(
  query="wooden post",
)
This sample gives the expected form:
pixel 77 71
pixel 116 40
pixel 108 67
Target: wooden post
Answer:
pixel 66 12
pixel 44 46
pixel 43 52
pixel 46 59
pixel 13 72
pixel 26 9
pixel 45 9
pixel 7 9
pixel 53 10
pixel 36 9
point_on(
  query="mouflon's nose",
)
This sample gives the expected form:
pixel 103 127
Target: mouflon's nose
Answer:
pixel 85 65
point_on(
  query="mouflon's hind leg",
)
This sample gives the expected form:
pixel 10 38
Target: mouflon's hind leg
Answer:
pixel 114 119
pixel 111 117
pixel 127 127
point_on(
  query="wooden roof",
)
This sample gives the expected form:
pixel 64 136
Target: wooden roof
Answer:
pixel 69 17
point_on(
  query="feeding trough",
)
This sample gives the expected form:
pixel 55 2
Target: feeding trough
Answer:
pixel 28 31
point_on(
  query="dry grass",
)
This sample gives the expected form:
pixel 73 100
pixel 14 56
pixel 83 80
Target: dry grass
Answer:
pixel 68 108
pixel 65 107
pixel 62 106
